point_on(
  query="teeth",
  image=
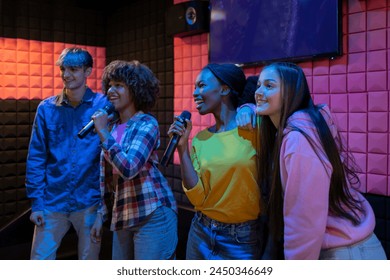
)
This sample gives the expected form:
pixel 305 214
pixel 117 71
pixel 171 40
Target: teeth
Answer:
pixel 198 103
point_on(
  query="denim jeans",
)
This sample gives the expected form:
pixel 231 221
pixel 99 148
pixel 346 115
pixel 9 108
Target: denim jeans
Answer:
pixel 367 249
pixel 153 239
pixel 212 240
pixel 47 238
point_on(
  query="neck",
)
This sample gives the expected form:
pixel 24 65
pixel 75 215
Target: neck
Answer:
pixel 226 119
pixel 75 95
pixel 275 119
pixel 126 115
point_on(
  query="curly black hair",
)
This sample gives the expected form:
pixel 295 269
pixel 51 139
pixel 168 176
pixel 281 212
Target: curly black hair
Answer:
pixel 141 81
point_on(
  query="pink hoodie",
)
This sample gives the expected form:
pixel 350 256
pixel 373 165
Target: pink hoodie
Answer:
pixel 308 225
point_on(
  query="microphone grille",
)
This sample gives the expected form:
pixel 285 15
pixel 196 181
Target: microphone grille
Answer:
pixel 109 109
pixel 185 115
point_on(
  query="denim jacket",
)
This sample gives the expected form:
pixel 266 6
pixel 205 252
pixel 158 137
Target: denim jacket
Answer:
pixel 62 171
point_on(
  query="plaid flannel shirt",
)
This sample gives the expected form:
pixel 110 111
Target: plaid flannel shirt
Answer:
pixel 141 187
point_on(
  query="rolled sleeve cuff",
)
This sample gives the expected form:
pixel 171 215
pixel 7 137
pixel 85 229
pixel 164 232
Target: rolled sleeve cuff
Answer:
pixel 37 205
pixel 106 145
pixel 196 194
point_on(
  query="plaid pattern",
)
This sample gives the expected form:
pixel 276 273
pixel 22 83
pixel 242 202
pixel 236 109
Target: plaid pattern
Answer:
pixel 141 187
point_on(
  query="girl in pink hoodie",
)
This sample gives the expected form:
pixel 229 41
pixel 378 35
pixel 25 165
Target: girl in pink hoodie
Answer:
pixel 315 209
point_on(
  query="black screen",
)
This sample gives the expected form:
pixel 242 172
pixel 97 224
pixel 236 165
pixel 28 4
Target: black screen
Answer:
pixel 257 31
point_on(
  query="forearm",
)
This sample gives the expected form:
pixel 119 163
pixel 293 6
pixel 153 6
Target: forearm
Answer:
pixel 136 149
pixel 104 134
pixel 188 173
pixel 246 116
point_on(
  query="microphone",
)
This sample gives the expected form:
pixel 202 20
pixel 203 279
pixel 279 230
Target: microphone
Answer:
pixel 89 126
pixel 174 140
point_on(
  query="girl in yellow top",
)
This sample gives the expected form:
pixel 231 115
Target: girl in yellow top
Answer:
pixel 219 171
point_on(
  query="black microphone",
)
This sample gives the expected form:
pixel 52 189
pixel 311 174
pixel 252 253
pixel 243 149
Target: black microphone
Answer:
pixel 89 126
pixel 174 140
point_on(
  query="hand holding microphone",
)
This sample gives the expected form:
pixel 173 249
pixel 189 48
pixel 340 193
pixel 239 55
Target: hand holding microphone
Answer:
pixel 176 130
pixel 109 109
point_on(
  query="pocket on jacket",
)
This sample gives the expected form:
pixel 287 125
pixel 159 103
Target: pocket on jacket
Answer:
pixel 55 133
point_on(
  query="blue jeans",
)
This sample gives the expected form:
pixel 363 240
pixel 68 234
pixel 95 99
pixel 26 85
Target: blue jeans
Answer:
pixel 153 239
pixel 367 249
pixel 212 240
pixel 47 238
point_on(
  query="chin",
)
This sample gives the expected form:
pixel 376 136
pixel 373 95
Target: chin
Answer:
pixel 261 111
pixel 201 112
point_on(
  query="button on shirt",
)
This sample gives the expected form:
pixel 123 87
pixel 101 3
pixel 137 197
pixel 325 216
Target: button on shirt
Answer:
pixel 62 171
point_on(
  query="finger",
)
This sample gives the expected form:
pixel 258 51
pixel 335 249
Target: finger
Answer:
pixel 179 122
pixel 98 236
pixel 99 113
pixel 177 131
pixel 254 121
pixel 177 127
pixel 93 235
pixel 38 222
pixel 112 116
pixel 189 124
pixel 42 221
pixel 240 121
pixel 248 123
pixel 93 238
pixel 176 118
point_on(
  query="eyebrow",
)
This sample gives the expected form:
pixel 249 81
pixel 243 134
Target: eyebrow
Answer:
pixel 267 80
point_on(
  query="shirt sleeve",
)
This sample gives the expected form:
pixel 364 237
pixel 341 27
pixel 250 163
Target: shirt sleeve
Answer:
pixel 104 192
pixel 197 194
pixel 36 162
pixel 135 151
pixel 249 105
pixel 306 193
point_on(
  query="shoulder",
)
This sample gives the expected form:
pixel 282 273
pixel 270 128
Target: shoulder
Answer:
pixel 50 100
pixel 246 134
pixel 294 138
pixel 99 95
pixel 296 142
pixel 100 98
pixel 147 119
pixel 46 103
pixel 144 122
pixel 203 134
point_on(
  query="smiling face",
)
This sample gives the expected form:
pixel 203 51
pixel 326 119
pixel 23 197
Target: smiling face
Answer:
pixel 119 95
pixel 268 95
pixel 74 77
pixel 207 93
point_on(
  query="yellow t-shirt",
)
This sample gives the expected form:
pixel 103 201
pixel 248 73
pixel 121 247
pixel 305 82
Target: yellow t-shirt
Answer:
pixel 227 189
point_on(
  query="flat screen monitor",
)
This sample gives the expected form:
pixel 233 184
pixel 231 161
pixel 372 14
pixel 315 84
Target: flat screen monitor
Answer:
pixel 258 31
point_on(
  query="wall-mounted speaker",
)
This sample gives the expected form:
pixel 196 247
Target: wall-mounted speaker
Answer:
pixel 188 18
